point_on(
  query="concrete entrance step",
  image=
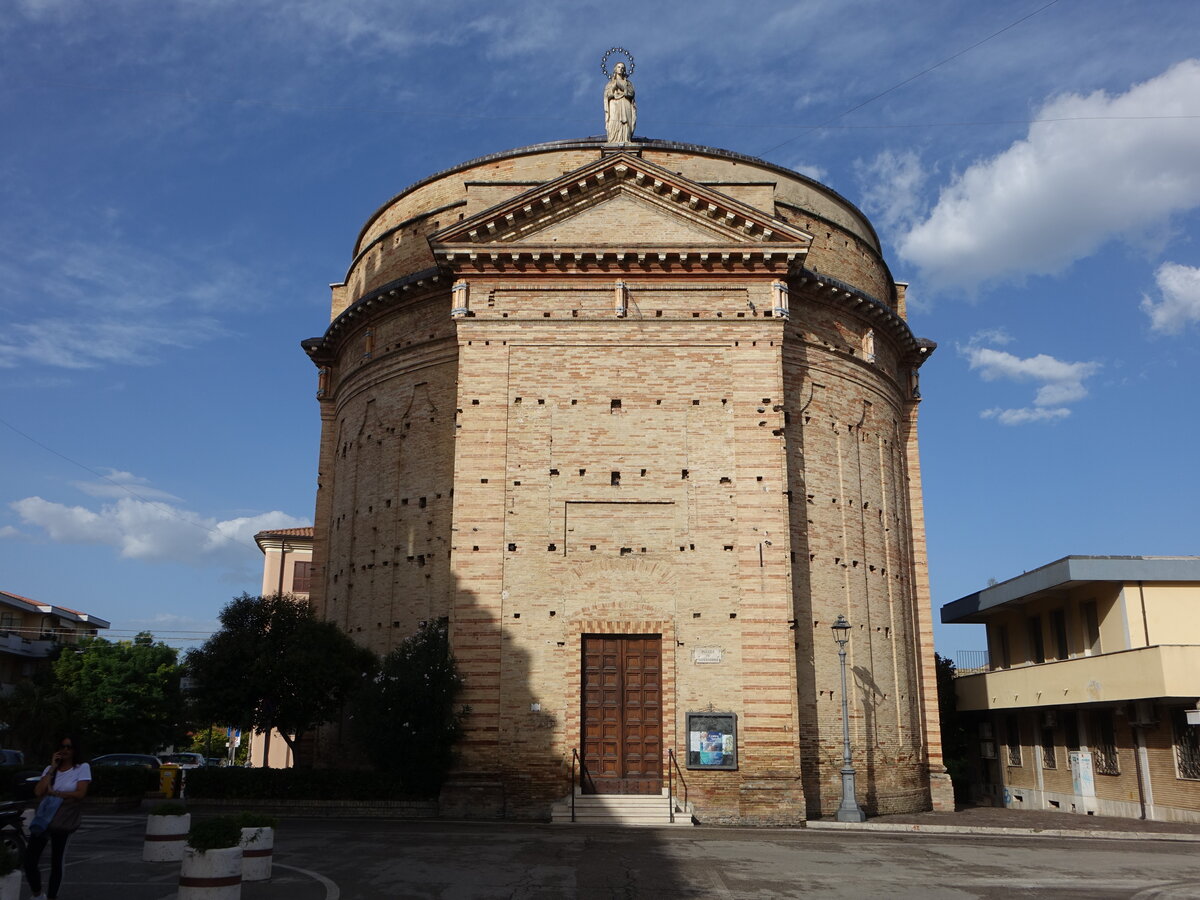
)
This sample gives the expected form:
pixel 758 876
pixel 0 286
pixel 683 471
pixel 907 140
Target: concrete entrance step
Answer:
pixel 620 809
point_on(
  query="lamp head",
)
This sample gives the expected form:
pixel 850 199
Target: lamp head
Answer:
pixel 841 631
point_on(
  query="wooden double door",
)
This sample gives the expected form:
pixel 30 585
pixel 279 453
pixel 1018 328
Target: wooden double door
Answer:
pixel 622 714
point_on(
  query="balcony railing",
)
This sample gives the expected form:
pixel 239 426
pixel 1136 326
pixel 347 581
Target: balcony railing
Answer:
pixel 967 662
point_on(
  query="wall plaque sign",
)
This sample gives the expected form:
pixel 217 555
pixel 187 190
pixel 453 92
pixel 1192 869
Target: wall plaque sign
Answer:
pixel 712 740
pixel 707 655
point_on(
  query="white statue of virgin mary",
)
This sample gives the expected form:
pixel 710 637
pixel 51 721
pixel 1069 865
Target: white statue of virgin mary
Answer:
pixel 620 110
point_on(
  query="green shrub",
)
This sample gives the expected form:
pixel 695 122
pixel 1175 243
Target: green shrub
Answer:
pixel 170 808
pixel 122 781
pixel 214 834
pixel 257 820
pixel 232 783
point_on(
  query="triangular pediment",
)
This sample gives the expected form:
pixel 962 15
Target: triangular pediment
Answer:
pixel 621 202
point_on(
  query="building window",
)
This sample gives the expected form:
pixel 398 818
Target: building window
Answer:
pixel 1058 628
pixel 1070 725
pixel 8 621
pixel 1037 645
pixel 1187 745
pixel 1091 628
pixel 1104 751
pixel 1049 759
pixel 301 576
pixel 1012 736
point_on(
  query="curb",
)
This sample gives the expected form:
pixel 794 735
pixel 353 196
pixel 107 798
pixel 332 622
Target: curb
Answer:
pixel 901 828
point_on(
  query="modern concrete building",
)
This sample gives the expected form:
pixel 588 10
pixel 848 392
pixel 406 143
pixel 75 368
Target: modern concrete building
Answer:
pixel 1089 700
pixel 30 630
pixel 639 421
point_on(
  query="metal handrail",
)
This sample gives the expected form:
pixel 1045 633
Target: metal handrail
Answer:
pixel 672 768
pixel 574 760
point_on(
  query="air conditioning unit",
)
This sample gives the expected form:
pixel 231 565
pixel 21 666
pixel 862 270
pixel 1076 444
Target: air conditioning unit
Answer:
pixel 1143 714
pixel 1193 716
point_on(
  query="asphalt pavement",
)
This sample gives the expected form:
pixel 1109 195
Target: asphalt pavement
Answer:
pixel 992 854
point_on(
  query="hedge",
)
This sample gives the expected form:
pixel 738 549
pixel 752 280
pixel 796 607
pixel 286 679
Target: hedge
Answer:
pixel 237 783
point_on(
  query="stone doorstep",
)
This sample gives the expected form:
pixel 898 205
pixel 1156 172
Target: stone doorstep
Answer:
pixel 912 828
pixel 384 809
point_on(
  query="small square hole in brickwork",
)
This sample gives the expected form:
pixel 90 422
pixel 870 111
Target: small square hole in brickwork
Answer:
pixel 725 479
pixel 695 403
pixel 516 484
pixel 691 546
pixel 541 402
pixel 545 315
pixel 387 504
pixel 643 549
pixel 422 503
pixel 582 472
pixel 625 551
pixel 733 615
pixel 614 478
pixel 658 403
pixel 741 315
pixel 729 546
pixel 643 473
pixel 591 546
pixel 695 615
pixel 516 615
pixel 553 614
pixel 658 314
pixel 695 315
pixel 475 548
pixel 474 402
pixel 404 501
pixel 758 478
pixel 512 547
pixel 516 399
pixel 684 474
pixel 551 546
pixel 554 471
pixel 573 402
pixel 574 314
pixel 614 403
pixel 483 481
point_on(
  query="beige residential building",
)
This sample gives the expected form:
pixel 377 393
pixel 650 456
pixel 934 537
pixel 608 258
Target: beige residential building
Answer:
pixel 1089 700
pixel 639 421
pixel 287 570
pixel 29 631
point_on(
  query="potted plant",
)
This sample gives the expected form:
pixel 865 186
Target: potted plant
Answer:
pixel 212 862
pixel 258 845
pixel 166 833
pixel 10 874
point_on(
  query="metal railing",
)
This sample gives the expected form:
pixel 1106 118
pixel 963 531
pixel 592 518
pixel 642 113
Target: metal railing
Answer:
pixel 967 662
pixel 583 780
pixel 672 769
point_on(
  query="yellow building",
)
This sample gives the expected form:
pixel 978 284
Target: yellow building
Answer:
pixel 287 570
pixel 1088 703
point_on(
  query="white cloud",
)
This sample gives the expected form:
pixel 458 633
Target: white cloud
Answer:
pixel 154 532
pixel 9 532
pixel 811 170
pixel 1024 415
pixel 1180 303
pixel 1068 187
pixel 1059 383
pixel 122 484
pixel 891 186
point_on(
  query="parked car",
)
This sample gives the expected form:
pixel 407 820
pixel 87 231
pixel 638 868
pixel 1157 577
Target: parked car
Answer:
pixel 185 760
pixel 11 758
pixel 215 761
pixel 144 760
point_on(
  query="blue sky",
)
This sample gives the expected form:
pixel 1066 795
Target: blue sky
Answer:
pixel 179 183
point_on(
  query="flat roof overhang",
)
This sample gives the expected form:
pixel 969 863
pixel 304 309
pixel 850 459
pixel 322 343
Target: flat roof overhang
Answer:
pixel 1066 573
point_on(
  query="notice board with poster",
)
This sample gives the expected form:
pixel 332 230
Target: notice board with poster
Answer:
pixel 712 740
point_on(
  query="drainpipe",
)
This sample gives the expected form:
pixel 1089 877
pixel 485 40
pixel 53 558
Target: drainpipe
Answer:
pixel 1145 791
pixel 1145 621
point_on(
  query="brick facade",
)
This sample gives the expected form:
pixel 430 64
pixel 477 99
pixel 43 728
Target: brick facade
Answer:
pixel 668 391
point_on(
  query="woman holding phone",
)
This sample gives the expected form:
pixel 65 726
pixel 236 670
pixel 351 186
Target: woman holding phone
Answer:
pixel 67 777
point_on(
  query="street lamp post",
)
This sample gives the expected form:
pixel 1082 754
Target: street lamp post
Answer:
pixel 849 811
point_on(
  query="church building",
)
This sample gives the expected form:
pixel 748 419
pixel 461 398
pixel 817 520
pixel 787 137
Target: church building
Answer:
pixel 639 420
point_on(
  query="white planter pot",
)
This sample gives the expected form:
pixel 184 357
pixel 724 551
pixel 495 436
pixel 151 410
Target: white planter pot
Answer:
pixel 258 848
pixel 10 885
pixel 166 837
pixel 211 875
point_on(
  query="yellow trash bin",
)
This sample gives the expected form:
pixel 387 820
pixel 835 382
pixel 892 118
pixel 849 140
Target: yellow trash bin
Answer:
pixel 170 779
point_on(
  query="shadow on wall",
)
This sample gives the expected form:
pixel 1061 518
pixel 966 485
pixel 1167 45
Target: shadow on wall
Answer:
pixel 870 695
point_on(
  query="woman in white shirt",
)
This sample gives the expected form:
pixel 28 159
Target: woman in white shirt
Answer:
pixel 67 777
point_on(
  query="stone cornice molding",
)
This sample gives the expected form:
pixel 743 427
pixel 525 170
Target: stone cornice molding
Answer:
pixel 743 235
pixel 813 285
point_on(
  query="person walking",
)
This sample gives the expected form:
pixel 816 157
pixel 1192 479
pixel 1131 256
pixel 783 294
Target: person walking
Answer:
pixel 67 779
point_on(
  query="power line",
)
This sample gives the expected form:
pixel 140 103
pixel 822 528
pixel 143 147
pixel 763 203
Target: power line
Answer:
pixel 171 511
pixel 912 78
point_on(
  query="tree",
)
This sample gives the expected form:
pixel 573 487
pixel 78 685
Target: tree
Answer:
pixel 955 737
pixel 273 664
pixel 122 695
pixel 405 719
